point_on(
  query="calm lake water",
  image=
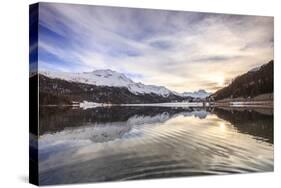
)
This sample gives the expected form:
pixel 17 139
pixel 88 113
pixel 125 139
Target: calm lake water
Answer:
pixel 125 143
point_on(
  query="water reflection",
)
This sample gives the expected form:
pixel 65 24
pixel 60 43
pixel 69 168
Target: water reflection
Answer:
pixel 120 143
pixel 256 122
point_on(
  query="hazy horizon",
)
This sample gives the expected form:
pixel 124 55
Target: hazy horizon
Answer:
pixel 183 51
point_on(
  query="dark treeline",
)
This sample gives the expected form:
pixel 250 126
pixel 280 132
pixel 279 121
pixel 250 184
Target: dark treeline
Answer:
pixel 250 84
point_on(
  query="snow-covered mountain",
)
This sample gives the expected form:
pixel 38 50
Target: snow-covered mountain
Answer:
pixel 109 78
pixel 112 78
pixel 197 94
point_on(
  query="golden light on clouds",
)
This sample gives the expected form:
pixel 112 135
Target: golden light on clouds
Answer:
pixel 183 51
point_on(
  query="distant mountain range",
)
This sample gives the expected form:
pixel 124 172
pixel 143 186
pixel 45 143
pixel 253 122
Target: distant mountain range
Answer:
pixel 255 82
pixel 197 94
pixel 104 86
pixel 112 78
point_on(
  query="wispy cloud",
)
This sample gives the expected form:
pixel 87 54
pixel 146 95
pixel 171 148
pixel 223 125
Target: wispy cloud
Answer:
pixel 181 50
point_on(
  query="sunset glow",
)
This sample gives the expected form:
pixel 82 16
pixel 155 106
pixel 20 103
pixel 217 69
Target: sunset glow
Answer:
pixel 183 51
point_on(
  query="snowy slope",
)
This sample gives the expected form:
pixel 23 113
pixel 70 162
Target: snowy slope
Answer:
pixel 255 69
pixel 197 94
pixel 109 78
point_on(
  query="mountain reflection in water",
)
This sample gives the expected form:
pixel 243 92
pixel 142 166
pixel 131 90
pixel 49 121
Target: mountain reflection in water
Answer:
pixel 120 143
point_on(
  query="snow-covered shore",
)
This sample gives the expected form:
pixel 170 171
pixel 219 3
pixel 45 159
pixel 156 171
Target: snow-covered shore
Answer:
pixel 244 104
pixel 87 104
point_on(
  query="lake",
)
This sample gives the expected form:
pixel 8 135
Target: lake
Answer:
pixel 125 143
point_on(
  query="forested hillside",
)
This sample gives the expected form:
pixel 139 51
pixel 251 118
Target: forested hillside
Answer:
pixel 253 83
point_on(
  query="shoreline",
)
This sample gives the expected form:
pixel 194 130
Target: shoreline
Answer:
pixel 231 104
pixel 241 104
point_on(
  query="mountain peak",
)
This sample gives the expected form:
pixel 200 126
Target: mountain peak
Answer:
pixel 107 77
pixel 104 71
pixel 201 93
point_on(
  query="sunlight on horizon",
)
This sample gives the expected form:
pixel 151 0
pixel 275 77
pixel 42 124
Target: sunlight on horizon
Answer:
pixel 181 50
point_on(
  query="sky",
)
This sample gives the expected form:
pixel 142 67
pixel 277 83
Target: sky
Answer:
pixel 183 51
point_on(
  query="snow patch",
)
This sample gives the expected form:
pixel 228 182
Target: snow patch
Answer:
pixel 255 69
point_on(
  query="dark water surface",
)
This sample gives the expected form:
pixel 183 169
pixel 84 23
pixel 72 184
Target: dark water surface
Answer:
pixel 123 143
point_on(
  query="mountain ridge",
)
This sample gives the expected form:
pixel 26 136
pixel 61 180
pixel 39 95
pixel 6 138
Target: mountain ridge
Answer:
pixel 54 91
pixel 107 77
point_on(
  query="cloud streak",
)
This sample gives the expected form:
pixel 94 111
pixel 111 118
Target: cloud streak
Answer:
pixel 183 51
